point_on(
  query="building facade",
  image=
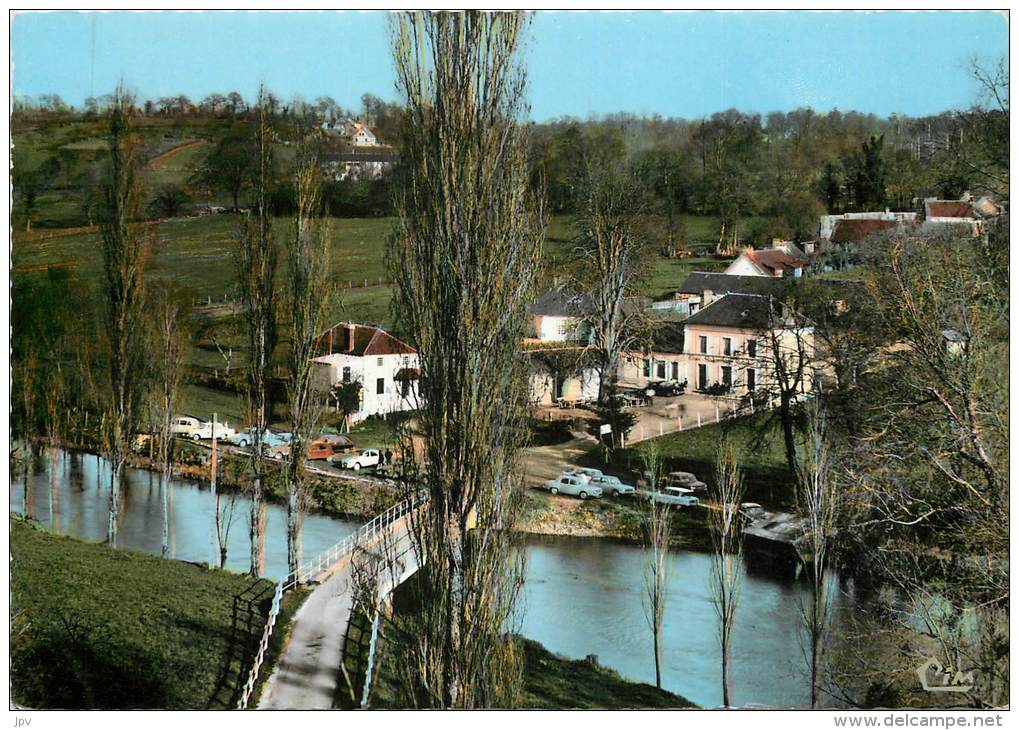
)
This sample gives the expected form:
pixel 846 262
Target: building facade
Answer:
pixel 386 368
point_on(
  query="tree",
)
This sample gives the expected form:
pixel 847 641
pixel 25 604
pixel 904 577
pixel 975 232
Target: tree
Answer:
pixel 308 284
pixel 465 253
pixel 347 397
pixel 656 521
pixel 230 166
pixel 663 170
pixel 614 252
pixel 168 202
pixel 171 344
pixel 867 175
pixel 123 242
pixel 819 502
pixel 724 523
pixel 256 269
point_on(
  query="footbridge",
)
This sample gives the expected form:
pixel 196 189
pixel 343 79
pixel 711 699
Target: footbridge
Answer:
pixel 379 556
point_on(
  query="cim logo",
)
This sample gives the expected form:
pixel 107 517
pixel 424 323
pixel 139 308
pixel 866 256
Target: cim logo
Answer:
pixel 935 677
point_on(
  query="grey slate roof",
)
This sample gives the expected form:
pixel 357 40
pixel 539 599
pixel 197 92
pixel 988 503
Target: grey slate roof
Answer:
pixel 562 302
pixel 699 281
pixel 744 311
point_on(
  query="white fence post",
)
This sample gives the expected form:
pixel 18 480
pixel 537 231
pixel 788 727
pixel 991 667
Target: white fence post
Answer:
pixel 717 416
pixel 680 420
pixel 698 419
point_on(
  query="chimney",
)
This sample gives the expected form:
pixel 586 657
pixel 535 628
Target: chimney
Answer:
pixel 707 297
pixel 350 337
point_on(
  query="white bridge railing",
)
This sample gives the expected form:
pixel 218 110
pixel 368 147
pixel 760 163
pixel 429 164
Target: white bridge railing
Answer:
pixel 364 535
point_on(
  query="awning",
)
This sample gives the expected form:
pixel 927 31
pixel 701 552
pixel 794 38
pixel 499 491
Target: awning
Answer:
pixel 407 374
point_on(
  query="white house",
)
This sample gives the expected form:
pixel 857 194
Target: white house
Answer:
pixel 360 136
pixel 559 315
pixel 774 262
pixel 386 368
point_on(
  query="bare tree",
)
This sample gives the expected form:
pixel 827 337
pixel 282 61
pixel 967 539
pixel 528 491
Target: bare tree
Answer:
pixel 307 259
pixel 257 271
pixel 727 555
pixel 614 251
pixel 819 501
pixel 465 255
pixel 171 345
pixel 657 524
pixel 123 246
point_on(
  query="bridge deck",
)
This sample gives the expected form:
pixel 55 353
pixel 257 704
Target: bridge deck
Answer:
pixel 308 672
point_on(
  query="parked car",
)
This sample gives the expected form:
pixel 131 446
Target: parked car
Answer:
pixel 246 437
pixel 365 459
pixel 680 496
pixel 185 426
pixel 667 388
pixel 320 448
pixel 573 484
pixel 341 442
pixel 685 481
pixel 611 485
pixel 586 472
pixel 752 511
pixel 196 429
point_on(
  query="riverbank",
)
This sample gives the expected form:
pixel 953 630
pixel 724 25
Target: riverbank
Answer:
pixel 117 629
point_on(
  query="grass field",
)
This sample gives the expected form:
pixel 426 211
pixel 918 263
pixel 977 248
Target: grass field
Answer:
pixel 120 629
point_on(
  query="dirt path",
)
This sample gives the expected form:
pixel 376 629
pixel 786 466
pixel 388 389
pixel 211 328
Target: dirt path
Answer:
pixel 160 160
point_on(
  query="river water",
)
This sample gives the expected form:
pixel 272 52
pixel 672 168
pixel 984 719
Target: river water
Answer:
pixel 581 596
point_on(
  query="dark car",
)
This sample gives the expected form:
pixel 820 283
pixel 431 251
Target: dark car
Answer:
pixel 665 388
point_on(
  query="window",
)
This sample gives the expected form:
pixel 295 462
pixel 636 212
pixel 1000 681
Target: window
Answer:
pixel 727 377
pixel 405 387
pixel 379 362
pixel 661 369
pixel 727 346
pixel 346 375
pixel 647 368
pixel 563 327
pixel 703 340
pixel 675 370
pixel 702 376
pixel 751 380
pixel 751 348
pixel 380 386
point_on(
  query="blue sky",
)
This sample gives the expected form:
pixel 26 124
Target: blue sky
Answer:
pixel 579 64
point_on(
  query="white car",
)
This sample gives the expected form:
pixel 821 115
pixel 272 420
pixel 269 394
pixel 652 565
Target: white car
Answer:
pixel 574 485
pixel 612 485
pixel 585 471
pixel 196 429
pixel 367 458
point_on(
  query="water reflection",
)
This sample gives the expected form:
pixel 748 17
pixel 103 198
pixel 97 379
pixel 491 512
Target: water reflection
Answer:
pixel 582 596
pixel 71 495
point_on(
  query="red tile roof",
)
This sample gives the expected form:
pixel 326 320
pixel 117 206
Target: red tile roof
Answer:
pixel 367 341
pixel 775 260
pixel 949 209
pixel 853 230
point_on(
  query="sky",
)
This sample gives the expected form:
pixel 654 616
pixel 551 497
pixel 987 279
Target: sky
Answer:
pixel 579 63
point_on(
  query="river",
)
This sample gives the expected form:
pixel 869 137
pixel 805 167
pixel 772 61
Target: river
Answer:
pixel 581 596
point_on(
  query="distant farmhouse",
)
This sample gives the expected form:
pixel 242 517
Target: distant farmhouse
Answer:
pixel 356 134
